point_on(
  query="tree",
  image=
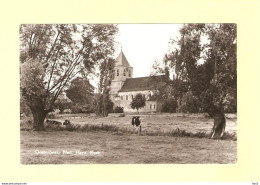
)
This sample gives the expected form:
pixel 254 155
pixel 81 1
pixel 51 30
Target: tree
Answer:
pixel 80 91
pixel 207 69
pixel 189 103
pixel 62 103
pixel 169 105
pixel 203 62
pixel 52 55
pixel 104 104
pixel 24 109
pixel 138 102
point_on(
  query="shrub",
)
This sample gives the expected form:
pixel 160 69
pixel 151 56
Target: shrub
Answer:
pixel 189 103
pixel 67 111
pixel 24 109
pixel 118 109
pixel 103 105
pixel 26 124
pixel 70 127
pixel 122 115
pixel 51 115
pixel 77 108
pixel 169 105
pixel 230 104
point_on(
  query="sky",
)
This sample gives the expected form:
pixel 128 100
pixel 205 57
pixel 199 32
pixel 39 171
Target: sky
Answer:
pixel 142 44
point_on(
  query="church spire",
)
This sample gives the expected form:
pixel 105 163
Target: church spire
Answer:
pixel 121 59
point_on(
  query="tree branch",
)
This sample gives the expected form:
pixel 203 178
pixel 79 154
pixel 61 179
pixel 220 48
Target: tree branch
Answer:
pixel 70 68
pixel 61 88
pixel 52 47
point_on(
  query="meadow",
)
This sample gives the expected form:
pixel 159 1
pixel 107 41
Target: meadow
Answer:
pixel 113 140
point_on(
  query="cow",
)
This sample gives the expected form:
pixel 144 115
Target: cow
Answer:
pixel 135 121
pixel 219 122
pixel 53 122
pixel 66 122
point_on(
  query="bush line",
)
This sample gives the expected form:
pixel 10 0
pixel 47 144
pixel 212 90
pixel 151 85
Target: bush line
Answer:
pixel 121 131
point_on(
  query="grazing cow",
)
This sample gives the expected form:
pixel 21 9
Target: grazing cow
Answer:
pixel 53 122
pixel 219 122
pixel 135 121
pixel 66 122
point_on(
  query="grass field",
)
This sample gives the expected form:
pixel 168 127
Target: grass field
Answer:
pixel 104 147
pixel 154 123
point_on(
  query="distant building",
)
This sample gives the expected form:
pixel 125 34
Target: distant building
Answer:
pixel 124 87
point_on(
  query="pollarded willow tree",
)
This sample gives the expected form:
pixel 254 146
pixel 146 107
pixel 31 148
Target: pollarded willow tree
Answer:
pixel 51 55
pixel 203 63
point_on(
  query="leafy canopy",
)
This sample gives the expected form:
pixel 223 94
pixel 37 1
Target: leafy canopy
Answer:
pixel 51 55
pixel 80 91
pixel 138 102
pixel 202 60
pixel 57 53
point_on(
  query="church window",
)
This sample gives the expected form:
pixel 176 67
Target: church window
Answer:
pixel 124 72
pixel 129 73
pixel 126 97
pixel 132 96
pixel 117 72
pixel 154 106
pixel 122 97
pixel 150 106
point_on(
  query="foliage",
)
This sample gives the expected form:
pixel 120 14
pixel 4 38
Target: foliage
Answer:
pixel 62 103
pixel 51 115
pixel 24 109
pixel 189 103
pixel 138 102
pixel 80 91
pixel 53 54
pixel 119 109
pixel 104 105
pixel 78 108
pixel 26 123
pixel 169 105
pixel 203 61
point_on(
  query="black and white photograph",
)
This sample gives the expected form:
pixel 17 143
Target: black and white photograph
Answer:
pixel 128 93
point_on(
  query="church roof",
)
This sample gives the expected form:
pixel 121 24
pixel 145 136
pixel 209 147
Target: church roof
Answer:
pixel 142 83
pixel 121 60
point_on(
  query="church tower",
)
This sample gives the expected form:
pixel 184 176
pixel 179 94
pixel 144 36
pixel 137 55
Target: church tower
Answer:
pixel 122 71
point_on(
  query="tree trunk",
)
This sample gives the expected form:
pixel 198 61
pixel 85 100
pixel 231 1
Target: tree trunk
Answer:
pixel 219 126
pixel 38 119
pixel 105 111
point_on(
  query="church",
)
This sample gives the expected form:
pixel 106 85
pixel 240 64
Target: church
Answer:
pixel 124 87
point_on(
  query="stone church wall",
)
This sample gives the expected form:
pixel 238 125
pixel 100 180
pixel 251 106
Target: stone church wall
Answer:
pixel 125 98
